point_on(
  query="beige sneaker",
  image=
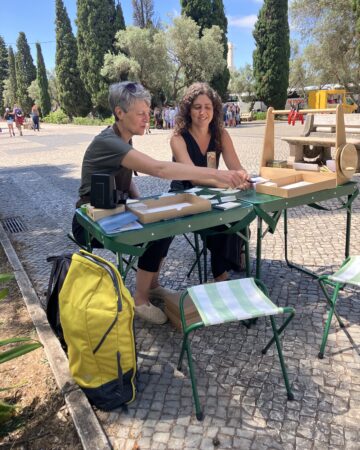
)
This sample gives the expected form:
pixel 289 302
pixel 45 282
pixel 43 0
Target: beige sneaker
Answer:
pixel 161 293
pixel 151 313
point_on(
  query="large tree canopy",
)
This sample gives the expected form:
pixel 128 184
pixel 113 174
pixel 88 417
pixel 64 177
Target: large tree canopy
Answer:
pixel 96 31
pixel 167 59
pixel 4 69
pixel 42 81
pixel 10 94
pixel 143 13
pixel 207 13
pixel 330 41
pixel 272 53
pixel 25 72
pixel 73 98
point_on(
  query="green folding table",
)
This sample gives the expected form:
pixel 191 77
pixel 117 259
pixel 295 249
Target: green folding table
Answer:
pixel 134 242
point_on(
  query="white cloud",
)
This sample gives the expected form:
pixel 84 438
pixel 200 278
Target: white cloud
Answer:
pixel 242 22
pixel 258 1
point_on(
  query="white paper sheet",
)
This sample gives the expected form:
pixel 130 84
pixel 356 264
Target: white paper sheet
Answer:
pixel 227 205
pixel 177 207
pixel 296 185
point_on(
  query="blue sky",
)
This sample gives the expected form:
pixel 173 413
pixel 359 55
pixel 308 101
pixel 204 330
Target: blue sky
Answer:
pixel 36 19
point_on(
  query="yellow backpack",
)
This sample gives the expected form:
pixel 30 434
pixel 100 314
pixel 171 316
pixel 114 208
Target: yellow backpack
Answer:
pixel 97 314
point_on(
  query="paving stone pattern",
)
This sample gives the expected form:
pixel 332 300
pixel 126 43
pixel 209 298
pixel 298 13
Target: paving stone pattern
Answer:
pixel 241 390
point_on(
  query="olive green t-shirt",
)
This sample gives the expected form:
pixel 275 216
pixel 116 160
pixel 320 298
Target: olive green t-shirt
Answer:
pixel 104 155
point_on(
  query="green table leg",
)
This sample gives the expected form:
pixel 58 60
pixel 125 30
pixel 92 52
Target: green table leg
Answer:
pixel 348 227
pixel 258 247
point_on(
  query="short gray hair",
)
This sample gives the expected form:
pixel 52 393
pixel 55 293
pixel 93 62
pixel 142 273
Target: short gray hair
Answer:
pixel 123 94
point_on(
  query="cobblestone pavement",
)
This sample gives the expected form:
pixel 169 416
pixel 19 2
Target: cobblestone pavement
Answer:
pixel 241 390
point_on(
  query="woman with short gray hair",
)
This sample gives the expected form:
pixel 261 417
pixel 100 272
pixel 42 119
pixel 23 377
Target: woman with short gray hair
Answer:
pixel 112 151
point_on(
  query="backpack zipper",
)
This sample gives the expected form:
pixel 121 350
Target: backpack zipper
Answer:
pixel 113 276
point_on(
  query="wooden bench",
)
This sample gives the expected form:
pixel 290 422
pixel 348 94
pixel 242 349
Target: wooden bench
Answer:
pixel 247 116
pixel 320 135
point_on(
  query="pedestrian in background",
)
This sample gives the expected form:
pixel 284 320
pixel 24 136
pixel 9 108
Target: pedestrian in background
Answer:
pixel 9 117
pixel 19 118
pixel 35 117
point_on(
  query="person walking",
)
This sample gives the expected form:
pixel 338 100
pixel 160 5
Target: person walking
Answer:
pixel 9 117
pixel 19 119
pixel 35 117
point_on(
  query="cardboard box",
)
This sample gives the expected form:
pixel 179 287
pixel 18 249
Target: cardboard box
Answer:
pixel 172 310
pixel 169 207
pixel 291 183
pixel 99 213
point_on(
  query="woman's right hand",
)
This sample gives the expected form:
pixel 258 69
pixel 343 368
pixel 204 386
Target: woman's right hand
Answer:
pixel 232 178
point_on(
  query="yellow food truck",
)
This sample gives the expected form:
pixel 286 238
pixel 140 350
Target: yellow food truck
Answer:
pixel 330 98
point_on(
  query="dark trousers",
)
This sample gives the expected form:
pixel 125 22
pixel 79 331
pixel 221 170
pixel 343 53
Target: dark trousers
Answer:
pixel 149 261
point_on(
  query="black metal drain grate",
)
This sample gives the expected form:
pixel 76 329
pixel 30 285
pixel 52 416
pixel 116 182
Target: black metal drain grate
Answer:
pixel 13 225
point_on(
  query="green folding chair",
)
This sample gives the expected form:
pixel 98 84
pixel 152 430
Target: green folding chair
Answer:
pixel 229 301
pixel 331 285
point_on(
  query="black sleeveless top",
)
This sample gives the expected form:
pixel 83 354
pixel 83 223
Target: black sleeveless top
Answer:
pixel 196 157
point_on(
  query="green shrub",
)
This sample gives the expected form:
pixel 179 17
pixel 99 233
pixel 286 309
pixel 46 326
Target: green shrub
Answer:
pixel 260 116
pixel 58 117
pixel 17 346
pixel 92 121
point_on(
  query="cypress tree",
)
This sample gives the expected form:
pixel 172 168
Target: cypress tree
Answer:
pixel 119 18
pixel 25 72
pixel 45 103
pixel 96 30
pixel 220 81
pixel 4 69
pixel 272 53
pixel 207 13
pixel 143 13
pixel 74 100
pixel 12 78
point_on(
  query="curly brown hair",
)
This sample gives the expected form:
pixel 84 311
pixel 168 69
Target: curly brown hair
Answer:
pixel 183 117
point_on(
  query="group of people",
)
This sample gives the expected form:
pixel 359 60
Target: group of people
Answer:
pixel 165 118
pixel 231 115
pixel 198 141
pixel 17 116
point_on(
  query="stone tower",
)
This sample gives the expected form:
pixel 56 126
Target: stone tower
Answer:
pixel 230 56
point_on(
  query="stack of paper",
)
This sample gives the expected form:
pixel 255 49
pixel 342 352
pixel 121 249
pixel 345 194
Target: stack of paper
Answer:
pixel 119 222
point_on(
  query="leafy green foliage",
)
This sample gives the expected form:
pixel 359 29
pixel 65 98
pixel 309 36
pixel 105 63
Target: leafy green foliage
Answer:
pixel 45 103
pixel 4 67
pixel 72 96
pixel 143 13
pixel 17 350
pixel 25 72
pixel 206 14
pixel 18 346
pixel 119 18
pixel 272 53
pixel 58 116
pixel 4 277
pixel 330 54
pixel 11 88
pixel 95 35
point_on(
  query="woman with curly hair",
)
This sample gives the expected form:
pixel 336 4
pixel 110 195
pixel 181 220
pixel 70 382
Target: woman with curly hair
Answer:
pixel 200 139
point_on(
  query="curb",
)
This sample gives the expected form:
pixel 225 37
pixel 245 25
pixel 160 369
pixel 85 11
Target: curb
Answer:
pixel 86 423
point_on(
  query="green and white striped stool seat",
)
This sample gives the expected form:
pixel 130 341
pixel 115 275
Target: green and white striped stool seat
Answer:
pixel 228 301
pixel 349 273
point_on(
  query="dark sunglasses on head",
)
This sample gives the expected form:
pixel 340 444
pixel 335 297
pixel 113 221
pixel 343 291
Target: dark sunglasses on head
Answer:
pixel 131 87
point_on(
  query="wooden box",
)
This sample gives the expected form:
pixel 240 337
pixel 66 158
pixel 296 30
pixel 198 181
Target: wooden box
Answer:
pixel 291 183
pixel 282 180
pixel 168 207
pixel 172 310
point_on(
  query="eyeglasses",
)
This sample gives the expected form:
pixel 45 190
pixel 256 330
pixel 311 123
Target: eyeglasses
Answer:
pixel 131 87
